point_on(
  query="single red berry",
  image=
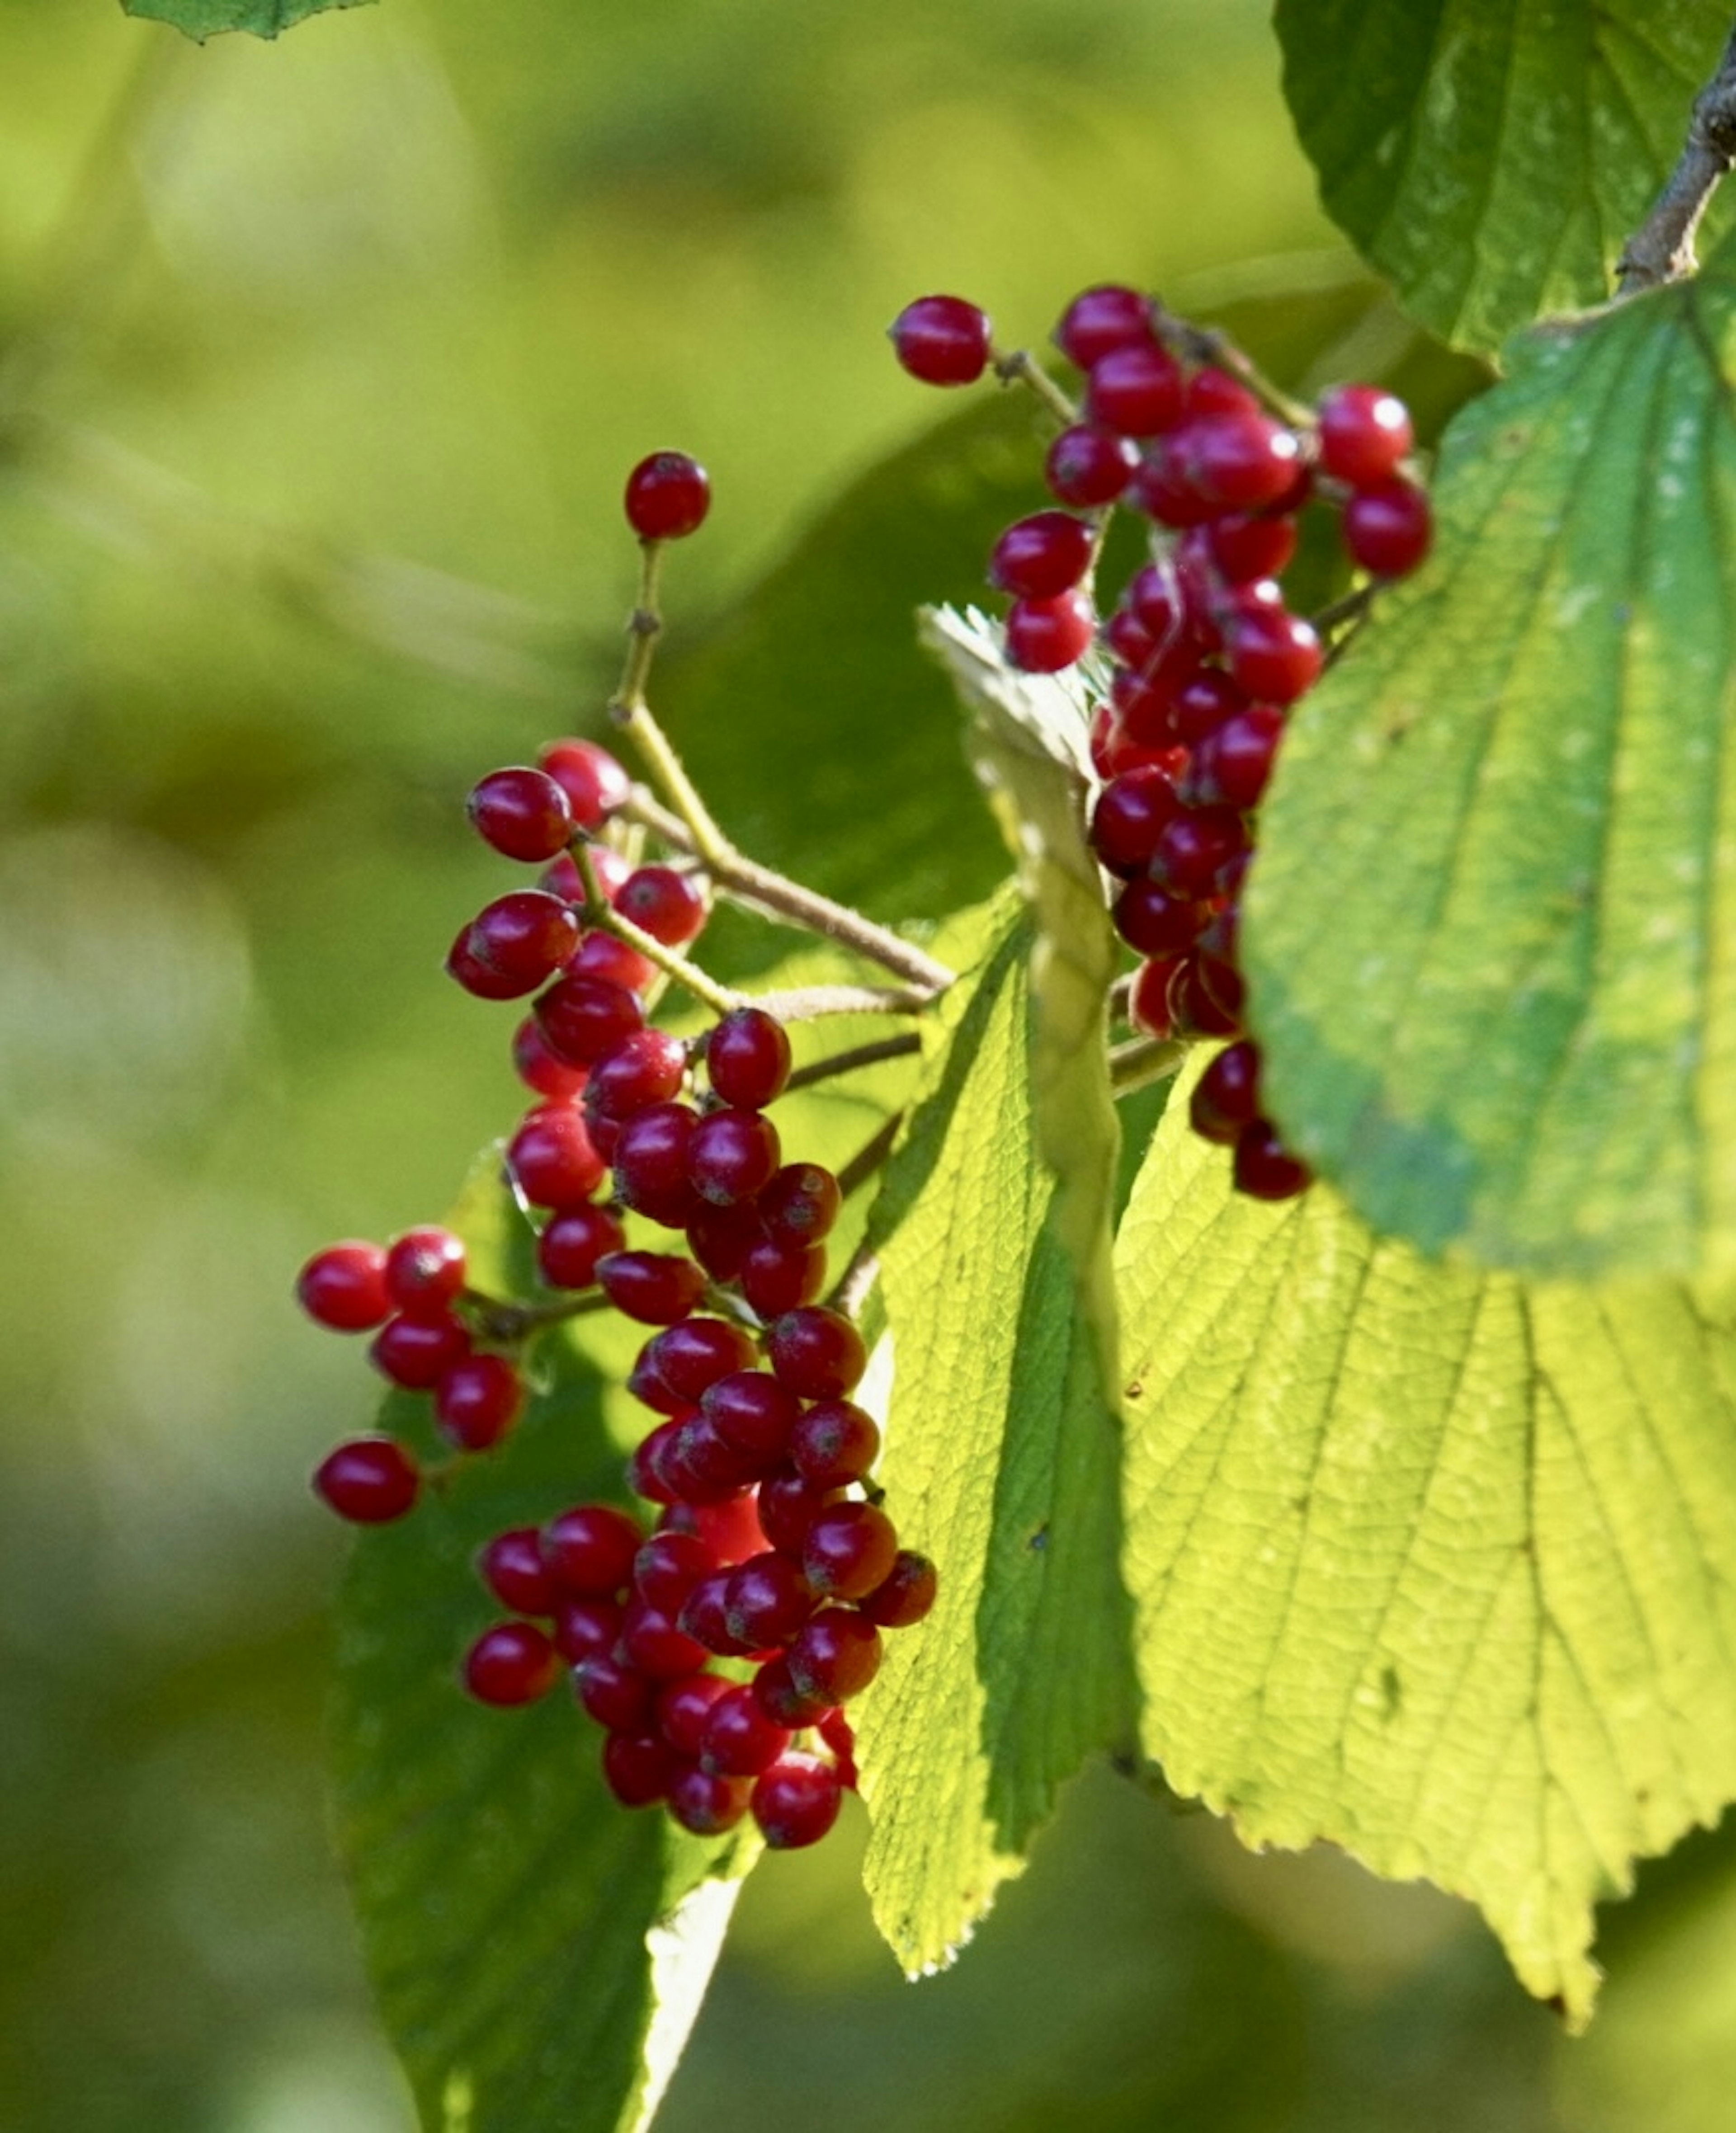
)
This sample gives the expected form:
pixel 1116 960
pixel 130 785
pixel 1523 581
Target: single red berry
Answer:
pixel 647 1066
pixel 647 1470
pixel 817 1353
pixel 1231 766
pixel 1388 530
pixel 615 1694
pixel 683 1707
pixel 834 1443
pixel 416 1353
pixel 1087 467
pixel 477 1401
pixel 1226 1096
pixel 583 1628
pixel 590 1550
pixel 1364 434
pixel 1150 918
pixel 370 1480
pixel 1195 1010
pixel 653 1642
pixel 799 1204
pixel 1040 556
pixel 905 1594
pixel 1107 317
pixel 707 1467
pixel 601 954
pixel 1136 389
pixel 1273 655
pixel 513 1662
pixel 582 1018
pixel 424 1270
pixel 848 1550
pixel 542 1070
pixel 1043 636
pixel 511 1566
pixel 522 938
pixel 721 1238
pixel 835 1656
pixel 692 1356
pixel 747 1058
pixel 650 1163
pixel 639 1768
pixel 753 1411
pixel 668 496
pixel 594 783
pixel 1148 998
pixel 702 1617
pixel 553 1158
pixel 1203 703
pixel 731 1154
pixel 1130 811
pixel 343 1287
pixel 1243 547
pixel 1212 391
pixel 573 1242
pixel 479 979
pixel 654 1288
pixel 779 1278
pixel 788 1505
pixel 707 1805
pixel 1193 847
pixel 1264 1167
pixel 775 1691
pixel 942 340
pixel 739 1739
pixel 667 905
pixel 1239 462
pixel 767 1601
pixel 668 1567
pixel 522 814
pixel 795 1801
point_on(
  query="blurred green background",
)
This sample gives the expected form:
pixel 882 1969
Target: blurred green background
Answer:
pixel 320 365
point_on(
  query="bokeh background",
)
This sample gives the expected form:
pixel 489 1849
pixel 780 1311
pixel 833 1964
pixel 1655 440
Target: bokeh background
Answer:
pixel 320 365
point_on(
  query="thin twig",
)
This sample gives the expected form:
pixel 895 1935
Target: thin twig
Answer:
pixel 506 1323
pixel 1020 367
pixel 599 912
pixel 804 1002
pixel 1208 344
pixel 1661 249
pixel 1142 1061
pixel 859 1055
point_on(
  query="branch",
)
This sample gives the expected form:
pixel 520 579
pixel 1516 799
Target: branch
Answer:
pixel 1661 249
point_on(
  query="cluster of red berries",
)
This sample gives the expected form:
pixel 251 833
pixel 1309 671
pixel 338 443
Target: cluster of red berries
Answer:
pixel 1204 658
pixel 751 1612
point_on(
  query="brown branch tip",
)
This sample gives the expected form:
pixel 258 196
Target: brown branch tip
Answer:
pixel 1661 249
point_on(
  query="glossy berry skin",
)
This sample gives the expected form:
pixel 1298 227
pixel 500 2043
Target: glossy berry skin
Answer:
pixel 705 1467
pixel 1243 547
pixel 1148 1000
pixel 848 1550
pixel 541 1070
pixel 1128 818
pixel 513 1662
pixel 424 1271
pixel 663 903
pixel 739 1739
pixel 834 1443
pixel 1150 918
pixel 511 1566
pixel 583 1628
pixel 690 1356
pixel 721 1238
pixel 668 496
pixel 604 954
pixel 590 1550
pixel 1226 1096
pixel 942 340
pixel 799 1204
pixel 816 1353
pixel 747 1059
pixel 654 1288
pixel 638 1769
pixel 775 1691
pixel 477 1401
pixel 904 1594
pixel 836 1657
pixel 650 1160
pixel 416 1353
pixel 767 1601
pixel 1087 467
pixel 754 1411
pixel 1136 390
pixel 795 1801
pixel 1194 846
pixel 707 1804
pixel 779 1278
pixel 1239 462
pixel 370 1481
pixel 553 1158
pixel 653 1642
pixel 1264 1168
pixel 522 814
pixel 647 1066
pixel 668 1567
pixel 684 1706
pixel 582 1018
pixel 1364 434
pixel 1102 318
pixel 1038 557
pixel 731 1154
pixel 1273 655
pixel 617 1695
pixel 1044 636
pixel 522 938
pixel 1231 766
pixel 788 1505
pixel 1388 530
pixel 594 782
pixel 1194 1009
pixel 573 1242
pixel 343 1287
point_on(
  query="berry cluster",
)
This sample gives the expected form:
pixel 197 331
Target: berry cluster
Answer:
pixel 1204 658
pixel 713 1644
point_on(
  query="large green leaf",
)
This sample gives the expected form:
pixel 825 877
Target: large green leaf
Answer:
pixel 1431 1562
pixel 1491 927
pixel 1002 1461
pixel 538 1953
pixel 200 19
pixel 1491 157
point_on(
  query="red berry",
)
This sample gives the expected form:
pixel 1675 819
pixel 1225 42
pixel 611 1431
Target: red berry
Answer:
pixel 683 1707
pixel 692 1356
pixel 1150 919
pixel 705 1804
pixel 1226 1096
pixel 668 1567
pixel 1264 1168
pixel 1130 811
pixel 653 1642
pixel 1203 703
pixel 668 496
pixel 702 1617
pixel 583 1628
pixel 747 1058
pixel 1193 847
pixel 478 1400
pixel 416 1353
pixel 721 1238
pixel 650 1158
pixel 343 1287
pixel 767 1601
pixel 573 1242
pixel 582 1018
pixel 1243 548
pixel 615 1694
pixel 788 1505
pixel 1148 1000
pixel 524 814
pixel 942 340
pixel 795 1801
pixel 1231 766
pixel 739 1739
pixel 1136 389
pixel 553 1158
pixel 370 1480
pixel 520 939
pixel 1388 530
pixel 654 1288
pixel 779 1278
pixel 648 1471
pixel 774 1690
pixel 663 903
pixel 799 1204
pixel 817 1354
pixel 1273 655
pixel 639 1768
pixel 706 1466
pixel 1099 319
pixel 1194 1009
pixel 1086 467
pixel 1043 636
pixel 1364 434
pixel 513 1662
pixel 601 954
pixel 835 1656
pixel 753 1412
pixel 834 1443
pixel 730 1155
pixel 848 1550
pixel 646 1068
pixel 594 782
pixel 540 1069
pixel 1214 392
pixel 1040 556
pixel 424 1270
pixel 904 1594
pixel 512 1568
pixel 590 1550
pixel 1239 462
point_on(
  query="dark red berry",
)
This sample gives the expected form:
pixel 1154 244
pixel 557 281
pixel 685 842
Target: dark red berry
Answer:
pixel 1212 391
pixel 779 1278
pixel 1231 766
pixel 553 1158
pixel 739 1739
pixel 590 1550
pixel 705 1804
pixel 1205 701
pixel 583 1628
pixel 817 1354
pixel 834 1443
pixel 747 1058
pixel 730 1155
pixel 654 1288
pixel 788 1505
pixel 647 1470
pixel 343 1287
pixel 416 1353
pixel 1193 849
pixel 540 1069
pixel 775 1691
pixel 1243 548
pixel 799 1204
pixel 1364 434
pixel 615 1694
pixel 1043 636
pixel 668 1567
pixel 1038 557
pixel 1388 530
pixel 1130 811
pixel 646 1068
pixel 848 1550
pixel 639 1768
pixel 767 1601
pixel 513 1662
pixel 1195 1010
pixel 424 1270
pixel 601 954
pixel 668 496
pixel 1148 918
pixel 524 814
pixel 512 1568
pixel 521 939
pixel 1099 319
pixel 663 903
pixel 650 1161
pixel 1239 462
pixel 1136 389
pixel 1087 467
pixel 652 1641
pixel 753 1411
pixel 594 782
pixel 573 1242
pixel 721 1238
pixel 683 1707
pixel 904 1594
pixel 795 1801
pixel 370 1480
pixel 1148 998
pixel 582 1018
pixel 942 340
pixel 1264 1168
pixel 1273 655
pixel 708 1468
pixel 702 1617
pixel 477 1401
pixel 1226 1096
pixel 835 1656
pixel 692 1356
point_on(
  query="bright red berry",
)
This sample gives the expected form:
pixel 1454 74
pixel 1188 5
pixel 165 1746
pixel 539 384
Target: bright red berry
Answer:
pixel 1239 462
pixel 747 1058
pixel 521 939
pixel 663 903
pixel 848 1550
pixel 552 1157
pixel 525 814
pixel 1043 636
pixel 1086 467
pixel 654 1643
pixel 513 1662
pixel 650 1163
pixel 1150 918
pixel 1273 655
pixel 1388 530
pixel 424 1270
pixel 668 496
pixel 370 1480
pixel 904 1594
pixel 707 1804
pixel 753 1411
pixel 583 1628
pixel 779 1278
pixel 1099 319
pixel 477 1401
pixel 416 1353
pixel 795 1801
pixel 648 1067
pixel 1243 547
pixel 512 1568
pixel 692 1356
pixel 739 1739
pixel 684 1706
pixel 1130 811
pixel 590 1550
pixel 594 783
pixel 573 1242
pixel 835 1656
pixel 817 1354
pixel 1136 389
pixel 942 340
pixel 655 1287
pixel 730 1155
pixel 615 1694
pixel 834 1443
pixel 542 1070
pixel 1226 1096
pixel 1038 557
pixel 788 1505
pixel 343 1287
pixel 582 1018
pixel 1364 434
pixel 638 1769
pixel 767 1601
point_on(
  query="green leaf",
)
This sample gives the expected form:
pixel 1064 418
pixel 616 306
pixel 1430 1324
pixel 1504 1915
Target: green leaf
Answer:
pixel 538 1953
pixel 1491 159
pixel 1434 1563
pixel 1002 1460
pixel 200 19
pixel 1492 931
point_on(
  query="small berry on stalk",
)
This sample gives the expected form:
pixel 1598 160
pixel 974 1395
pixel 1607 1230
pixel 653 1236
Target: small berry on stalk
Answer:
pixel 522 938
pixel 590 1550
pixel 1044 636
pixel 1087 466
pixel 942 340
pixel 553 1158
pixel 731 1154
pixel 1040 556
pixel 816 1353
pixel 655 1287
pixel 512 1568
pixel 834 1443
pixel 582 1018
pixel 513 1662
pixel 648 1067
pixel 799 1204
pixel 747 1058
pixel 668 496
pixel 573 1242
pixel 904 1594
pixel 795 1801
pixel 779 1278
pixel 848 1550
pixel 1136 389
pixel 343 1287
pixel 638 1769
pixel 1226 1096
pixel 1264 1168
pixel 416 1353
pixel 707 1805
pixel 835 1656
pixel 663 903
pixel 1389 529
pixel 594 782
pixel 424 1270
pixel 1107 317
pixel 370 1480
pixel 690 1356
pixel 477 1401
pixel 739 1739
pixel 524 814
pixel 541 1070
pixel 1364 434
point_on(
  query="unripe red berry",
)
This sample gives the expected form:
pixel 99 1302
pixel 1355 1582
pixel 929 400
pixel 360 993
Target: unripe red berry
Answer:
pixel 513 1662
pixel 370 1480
pixel 942 340
pixel 524 814
pixel 343 1287
pixel 668 496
